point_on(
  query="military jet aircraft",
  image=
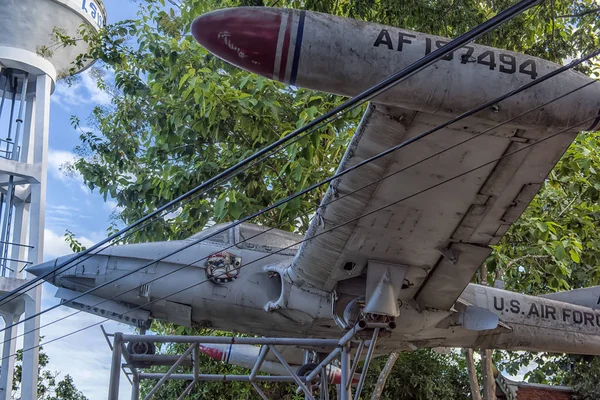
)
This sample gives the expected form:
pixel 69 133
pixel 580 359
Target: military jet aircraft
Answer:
pixel 402 251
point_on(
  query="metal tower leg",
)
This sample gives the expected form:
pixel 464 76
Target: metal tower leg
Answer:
pixel 19 252
pixel 6 225
pixel 36 234
pixel 8 364
pixel 31 342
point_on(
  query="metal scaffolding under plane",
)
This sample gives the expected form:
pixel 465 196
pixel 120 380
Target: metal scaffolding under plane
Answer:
pixel 314 378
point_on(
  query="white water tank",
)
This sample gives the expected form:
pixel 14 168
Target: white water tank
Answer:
pixel 26 26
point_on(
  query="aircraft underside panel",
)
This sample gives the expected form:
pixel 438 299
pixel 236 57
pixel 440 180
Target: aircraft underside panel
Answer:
pixel 444 199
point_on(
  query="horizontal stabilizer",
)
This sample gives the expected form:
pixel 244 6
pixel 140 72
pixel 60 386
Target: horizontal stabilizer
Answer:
pixel 587 297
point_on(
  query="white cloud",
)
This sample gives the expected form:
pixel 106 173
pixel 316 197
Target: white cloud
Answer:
pixel 62 210
pixel 55 245
pixel 56 160
pixel 88 129
pixel 112 205
pixel 83 92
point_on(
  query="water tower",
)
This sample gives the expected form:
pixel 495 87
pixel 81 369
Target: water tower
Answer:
pixel 31 60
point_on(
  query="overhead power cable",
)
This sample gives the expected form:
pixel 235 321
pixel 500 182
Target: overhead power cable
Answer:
pixel 570 128
pixel 339 174
pixel 470 138
pixel 348 105
pixel 325 204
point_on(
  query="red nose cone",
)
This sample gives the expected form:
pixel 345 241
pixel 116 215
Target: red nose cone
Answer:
pixel 245 37
pixel 212 352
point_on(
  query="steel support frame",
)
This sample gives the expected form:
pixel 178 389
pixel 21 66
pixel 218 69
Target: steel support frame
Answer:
pixel 21 218
pixel 317 379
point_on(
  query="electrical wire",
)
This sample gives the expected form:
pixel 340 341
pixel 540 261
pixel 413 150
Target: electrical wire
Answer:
pixel 348 105
pixel 332 201
pixel 331 178
pixel 570 128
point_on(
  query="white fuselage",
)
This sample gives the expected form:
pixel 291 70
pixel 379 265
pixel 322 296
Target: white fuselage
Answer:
pixel 176 292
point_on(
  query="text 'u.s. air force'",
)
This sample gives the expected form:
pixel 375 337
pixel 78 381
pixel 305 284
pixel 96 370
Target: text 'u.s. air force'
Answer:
pixel 547 312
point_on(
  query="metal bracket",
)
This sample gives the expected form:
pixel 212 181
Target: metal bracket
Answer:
pixel 384 282
pixel 450 254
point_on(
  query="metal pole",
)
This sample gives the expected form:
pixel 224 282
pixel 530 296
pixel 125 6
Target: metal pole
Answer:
pixel 127 358
pixel 187 390
pixel 135 388
pixel 233 340
pixel 12 112
pixel 323 363
pixel 16 260
pixel 361 345
pixel 196 366
pixel 218 377
pixel 38 149
pixel 126 374
pixel 344 386
pixel 13 243
pixel 363 374
pixel 15 153
pixel 259 361
pixel 259 391
pixel 169 372
pixel 285 364
pixel 106 337
pixel 14 156
pixel 4 93
pixel 5 234
pixel 305 361
pixel 8 363
pixel 115 367
pixel 324 384
pixel 196 361
pixel 341 343
pixel 5 221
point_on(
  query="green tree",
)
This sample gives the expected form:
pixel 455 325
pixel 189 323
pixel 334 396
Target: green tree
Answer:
pixel 180 115
pixel 555 246
pixel 49 387
pixel 423 374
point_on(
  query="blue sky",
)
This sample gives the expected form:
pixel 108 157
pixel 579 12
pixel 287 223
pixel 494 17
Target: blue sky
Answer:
pixel 70 205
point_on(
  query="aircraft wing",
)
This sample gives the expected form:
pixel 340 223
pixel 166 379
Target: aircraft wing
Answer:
pixel 440 231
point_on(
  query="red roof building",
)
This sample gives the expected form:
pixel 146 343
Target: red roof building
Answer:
pixel 511 390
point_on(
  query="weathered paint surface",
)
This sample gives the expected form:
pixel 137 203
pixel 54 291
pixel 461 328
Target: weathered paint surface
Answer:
pixel 345 56
pixel 526 322
pixel 422 219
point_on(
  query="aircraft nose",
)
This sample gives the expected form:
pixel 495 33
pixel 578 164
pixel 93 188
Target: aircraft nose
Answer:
pixel 244 37
pixel 43 269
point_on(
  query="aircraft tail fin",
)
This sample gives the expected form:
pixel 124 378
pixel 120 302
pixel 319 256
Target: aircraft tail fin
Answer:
pixel 587 297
